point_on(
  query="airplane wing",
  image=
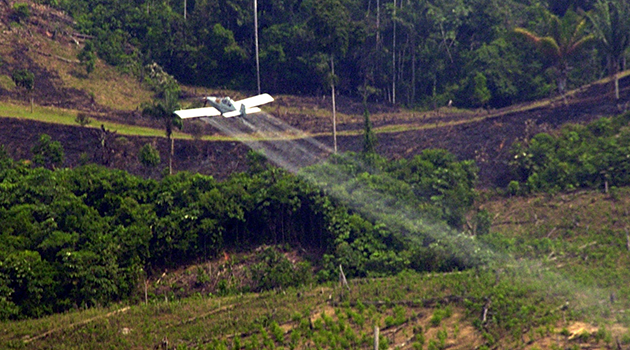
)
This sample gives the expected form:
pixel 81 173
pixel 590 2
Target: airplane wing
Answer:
pixel 256 100
pixel 197 112
pixel 242 107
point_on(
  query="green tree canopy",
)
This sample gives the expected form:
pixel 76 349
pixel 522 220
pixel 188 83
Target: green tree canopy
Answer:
pixel 566 38
pixel 47 153
pixel 611 26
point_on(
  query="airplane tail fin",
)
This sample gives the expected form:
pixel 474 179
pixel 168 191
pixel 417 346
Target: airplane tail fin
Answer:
pixel 242 112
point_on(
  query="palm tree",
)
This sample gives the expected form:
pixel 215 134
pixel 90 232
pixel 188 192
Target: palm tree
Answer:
pixel 611 26
pixel 162 111
pixel 567 38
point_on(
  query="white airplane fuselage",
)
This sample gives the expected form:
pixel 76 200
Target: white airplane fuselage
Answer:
pixel 230 108
pixel 226 107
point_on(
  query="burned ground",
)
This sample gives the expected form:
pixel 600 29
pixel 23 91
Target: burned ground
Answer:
pixel 482 135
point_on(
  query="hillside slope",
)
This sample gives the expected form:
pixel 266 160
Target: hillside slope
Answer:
pixel 47 45
pixel 564 287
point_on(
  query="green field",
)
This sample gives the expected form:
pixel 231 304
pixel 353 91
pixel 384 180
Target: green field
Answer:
pixel 559 280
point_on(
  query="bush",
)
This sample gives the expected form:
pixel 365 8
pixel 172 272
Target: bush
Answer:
pixel 47 152
pixel 514 188
pixel 23 78
pixel 21 11
pixel 276 271
pixel 149 156
pixel 579 157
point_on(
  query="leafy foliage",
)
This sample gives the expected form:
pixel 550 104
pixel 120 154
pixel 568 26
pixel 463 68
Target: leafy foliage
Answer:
pixel 24 79
pixel 47 152
pixel 412 207
pixel 87 57
pixel 21 12
pixel 84 236
pixel 591 156
pixel 567 37
pixel 149 156
pixel 420 53
pixel 276 271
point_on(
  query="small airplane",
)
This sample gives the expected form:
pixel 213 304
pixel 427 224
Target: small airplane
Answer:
pixel 226 107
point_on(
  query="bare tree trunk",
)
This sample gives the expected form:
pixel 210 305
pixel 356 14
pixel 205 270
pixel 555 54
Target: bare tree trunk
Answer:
pixel 413 68
pixel 170 155
pixel 378 23
pixel 563 77
pixel 394 59
pixel 615 72
pixel 184 10
pixel 334 108
pixel 256 44
pixel 146 291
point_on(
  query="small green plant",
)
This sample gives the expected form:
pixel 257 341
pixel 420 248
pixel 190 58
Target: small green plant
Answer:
pixel 236 343
pixel 294 338
pixel 276 271
pixel 23 78
pixel 83 119
pixel 440 314
pixel 389 321
pixel 202 277
pixel 583 336
pixel 21 12
pixel 84 158
pixel 277 332
pixel 149 156
pixel 433 345
pixel 442 335
pixel 47 153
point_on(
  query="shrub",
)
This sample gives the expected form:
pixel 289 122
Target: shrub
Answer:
pixel 149 156
pixel 578 157
pixel 276 271
pixel 23 78
pixel 514 188
pixel 47 152
pixel 21 11
pixel 83 119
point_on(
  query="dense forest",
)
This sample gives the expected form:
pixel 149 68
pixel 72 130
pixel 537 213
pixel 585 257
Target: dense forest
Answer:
pixel 91 235
pixel 477 53
pixel 87 236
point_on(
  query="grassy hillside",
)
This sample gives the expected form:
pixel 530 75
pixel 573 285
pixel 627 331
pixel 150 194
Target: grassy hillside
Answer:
pixel 559 281
pixel 560 277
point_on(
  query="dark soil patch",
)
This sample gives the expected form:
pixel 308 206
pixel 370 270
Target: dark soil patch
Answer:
pixel 486 137
pixel 487 141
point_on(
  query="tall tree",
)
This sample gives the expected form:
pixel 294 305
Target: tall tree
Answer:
pixel 611 25
pixel 256 44
pixel 330 24
pixel 567 38
pixel 369 138
pixel 162 111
